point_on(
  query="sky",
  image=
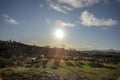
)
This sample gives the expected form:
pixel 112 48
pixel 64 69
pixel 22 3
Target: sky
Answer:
pixel 86 24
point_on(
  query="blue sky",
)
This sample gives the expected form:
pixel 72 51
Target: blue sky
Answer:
pixel 87 24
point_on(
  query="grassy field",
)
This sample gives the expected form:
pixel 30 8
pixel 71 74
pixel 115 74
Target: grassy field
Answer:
pixel 66 69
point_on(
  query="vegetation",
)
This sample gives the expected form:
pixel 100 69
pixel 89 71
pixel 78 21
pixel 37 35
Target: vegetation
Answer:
pixel 25 62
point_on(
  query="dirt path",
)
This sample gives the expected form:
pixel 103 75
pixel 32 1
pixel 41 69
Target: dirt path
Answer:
pixel 55 76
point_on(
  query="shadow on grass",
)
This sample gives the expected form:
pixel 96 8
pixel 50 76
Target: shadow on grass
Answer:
pixel 68 63
pixel 9 74
pixel 80 64
pixel 108 78
pixel 98 65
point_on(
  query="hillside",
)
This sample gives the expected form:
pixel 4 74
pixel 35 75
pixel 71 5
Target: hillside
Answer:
pixel 26 62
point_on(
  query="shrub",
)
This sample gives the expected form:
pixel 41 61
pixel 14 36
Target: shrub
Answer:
pixel 55 64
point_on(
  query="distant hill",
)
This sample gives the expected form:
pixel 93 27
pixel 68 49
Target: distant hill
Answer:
pixel 9 48
pixel 13 48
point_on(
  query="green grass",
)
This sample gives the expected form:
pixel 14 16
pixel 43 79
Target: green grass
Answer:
pixel 90 72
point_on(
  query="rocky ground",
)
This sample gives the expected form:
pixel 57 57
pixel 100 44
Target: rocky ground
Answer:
pixel 44 75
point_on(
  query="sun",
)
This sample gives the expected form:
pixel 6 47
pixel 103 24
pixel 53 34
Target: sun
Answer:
pixel 59 33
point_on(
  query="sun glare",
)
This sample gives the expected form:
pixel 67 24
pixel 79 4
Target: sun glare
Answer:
pixel 59 34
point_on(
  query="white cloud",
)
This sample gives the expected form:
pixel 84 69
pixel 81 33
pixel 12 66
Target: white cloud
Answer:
pixel 12 21
pixel 78 3
pixel 9 20
pixel 57 8
pixel 60 23
pixel 67 5
pixel 89 19
pixel 67 8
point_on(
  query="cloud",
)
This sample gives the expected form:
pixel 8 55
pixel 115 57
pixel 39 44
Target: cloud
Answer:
pixel 78 3
pixel 60 45
pixel 34 41
pixel 57 8
pixel 60 23
pixel 9 20
pixel 104 28
pixel 12 21
pixel 41 5
pixel 89 19
pixel 118 0
pixel 47 20
pixel 67 5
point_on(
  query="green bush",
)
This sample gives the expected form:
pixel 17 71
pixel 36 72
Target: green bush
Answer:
pixel 55 64
pixel 37 65
pixel 28 65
